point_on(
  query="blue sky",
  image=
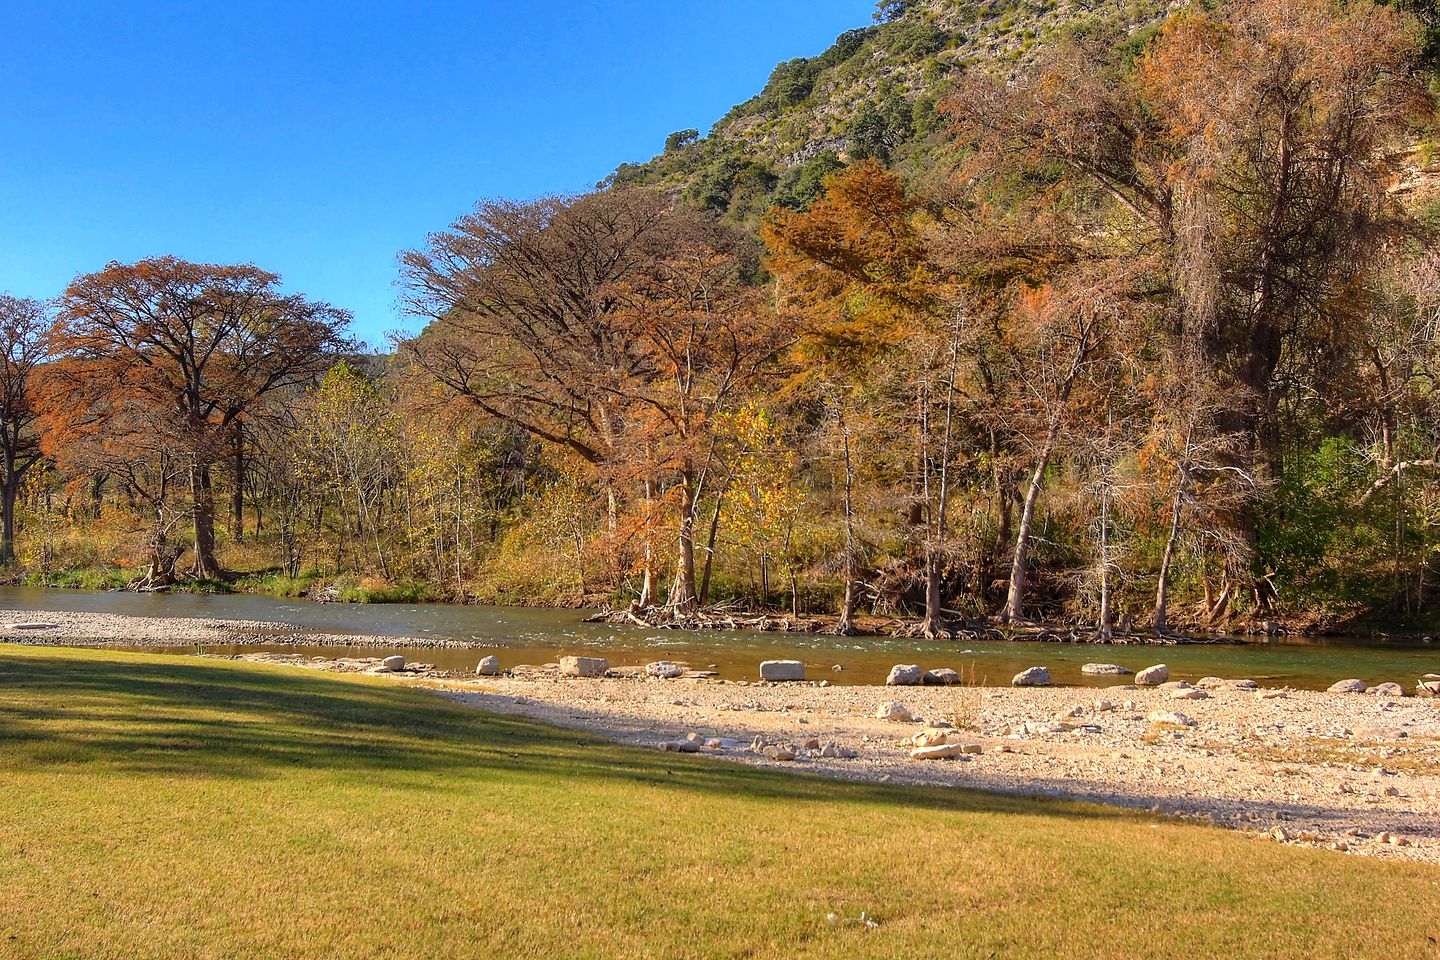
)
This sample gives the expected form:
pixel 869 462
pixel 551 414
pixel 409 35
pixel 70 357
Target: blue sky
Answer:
pixel 318 139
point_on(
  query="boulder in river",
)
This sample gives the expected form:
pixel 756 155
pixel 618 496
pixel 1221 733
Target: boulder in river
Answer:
pixel 1104 669
pixel 583 666
pixel 1348 686
pixel 904 675
pixel 897 712
pixel 664 670
pixel 782 670
pixel 1387 689
pixel 942 677
pixel 1032 677
pixel 391 664
pixel 488 666
pixel 1153 676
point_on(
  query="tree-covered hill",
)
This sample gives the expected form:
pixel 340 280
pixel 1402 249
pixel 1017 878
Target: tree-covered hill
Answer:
pixel 875 93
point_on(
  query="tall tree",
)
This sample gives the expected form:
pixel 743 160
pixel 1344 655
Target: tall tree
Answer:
pixel 614 326
pixel 26 342
pixel 1247 156
pixel 196 346
pixel 854 271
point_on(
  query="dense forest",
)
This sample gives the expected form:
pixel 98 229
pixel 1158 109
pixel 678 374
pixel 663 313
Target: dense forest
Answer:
pixel 1122 317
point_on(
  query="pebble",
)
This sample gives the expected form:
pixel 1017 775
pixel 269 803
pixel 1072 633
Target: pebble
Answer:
pixel 893 711
pixel 942 751
pixel 664 670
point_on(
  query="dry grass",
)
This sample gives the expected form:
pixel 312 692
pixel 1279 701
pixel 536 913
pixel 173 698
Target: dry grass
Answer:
pixel 173 807
pixel 1419 755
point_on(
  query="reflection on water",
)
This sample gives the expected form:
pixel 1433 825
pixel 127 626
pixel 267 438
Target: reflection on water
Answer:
pixel 526 635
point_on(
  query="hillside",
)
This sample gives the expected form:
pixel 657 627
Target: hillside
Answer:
pixel 874 93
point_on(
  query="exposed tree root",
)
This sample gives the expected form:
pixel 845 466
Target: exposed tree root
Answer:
pixel 727 618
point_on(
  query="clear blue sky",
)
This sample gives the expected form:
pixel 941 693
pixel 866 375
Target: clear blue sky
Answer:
pixel 318 139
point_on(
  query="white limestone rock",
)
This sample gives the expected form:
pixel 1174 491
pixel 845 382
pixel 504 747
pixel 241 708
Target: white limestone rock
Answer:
pixel 1153 676
pixel 1032 677
pixel 782 670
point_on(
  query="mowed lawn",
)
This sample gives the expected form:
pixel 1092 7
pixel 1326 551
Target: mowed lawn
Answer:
pixel 178 807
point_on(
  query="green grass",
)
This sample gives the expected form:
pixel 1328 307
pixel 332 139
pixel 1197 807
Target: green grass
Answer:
pixel 94 577
pixel 398 591
pixel 277 583
pixel 175 807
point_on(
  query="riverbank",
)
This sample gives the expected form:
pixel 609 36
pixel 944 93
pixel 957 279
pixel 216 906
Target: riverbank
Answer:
pixel 1352 772
pixel 76 628
pixel 184 807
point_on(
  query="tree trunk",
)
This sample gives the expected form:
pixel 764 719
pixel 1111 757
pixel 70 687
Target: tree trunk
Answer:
pixel 205 567
pixel 1014 609
pixel 7 521
pixel 238 498
pixel 845 625
pixel 935 540
pixel 9 490
pixel 685 596
pixel 1162 589
pixel 710 548
pixel 647 573
pixel 1104 629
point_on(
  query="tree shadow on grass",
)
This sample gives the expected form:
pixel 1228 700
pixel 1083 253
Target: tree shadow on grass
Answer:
pixel 182 717
pixel 176 716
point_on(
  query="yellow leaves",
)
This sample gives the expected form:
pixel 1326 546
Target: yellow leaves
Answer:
pixel 765 494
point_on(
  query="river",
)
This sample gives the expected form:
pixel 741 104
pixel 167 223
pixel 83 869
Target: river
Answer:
pixel 528 635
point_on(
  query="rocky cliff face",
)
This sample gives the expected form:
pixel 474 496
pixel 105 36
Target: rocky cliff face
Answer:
pixel 874 92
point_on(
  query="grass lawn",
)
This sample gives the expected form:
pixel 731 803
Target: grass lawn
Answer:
pixel 175 807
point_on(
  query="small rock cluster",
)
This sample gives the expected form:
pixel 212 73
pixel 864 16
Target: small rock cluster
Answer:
pixel 785 750
pixel 911 674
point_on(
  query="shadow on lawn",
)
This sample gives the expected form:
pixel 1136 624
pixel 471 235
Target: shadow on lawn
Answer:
pixel 192 718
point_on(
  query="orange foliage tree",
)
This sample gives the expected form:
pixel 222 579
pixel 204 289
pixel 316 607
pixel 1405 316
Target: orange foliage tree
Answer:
pixel 161 359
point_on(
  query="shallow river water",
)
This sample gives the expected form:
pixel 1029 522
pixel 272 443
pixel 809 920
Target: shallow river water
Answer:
pixel 534 636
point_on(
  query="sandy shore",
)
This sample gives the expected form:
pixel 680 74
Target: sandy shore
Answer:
pixel 68 628
pixel 1351 772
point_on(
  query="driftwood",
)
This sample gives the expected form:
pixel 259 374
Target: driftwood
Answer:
pixel 725 617
pixel 671 618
